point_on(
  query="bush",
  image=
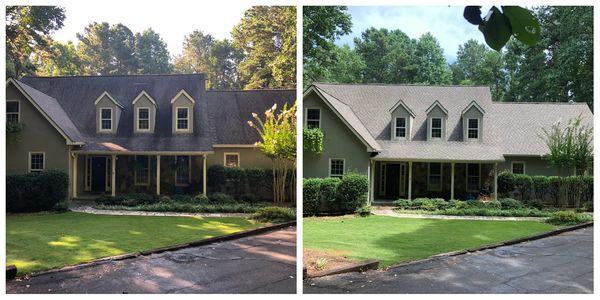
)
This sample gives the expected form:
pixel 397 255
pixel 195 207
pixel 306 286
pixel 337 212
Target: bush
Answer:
pixel 588 206
pixel 220 198
pixel 352 192
pixel 509 203
pixel 249 198
pixel 275 214
pixel 567 218
pixel 506 182
pixel 311 195
pixel 62 206
pixel 403 204
pixel 190 207
pixel 35 192
pixel 329 188
pixel 364 211
pixel 539 204
pixel 216 177
pixel 200 199
pixel 128 199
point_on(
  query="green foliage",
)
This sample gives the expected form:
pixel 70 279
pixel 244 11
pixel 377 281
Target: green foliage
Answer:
pixel 220 198
pixel 311 195
pixel 352 192
pixel 107 49
pixel 565 218
pixel 570 147
pixel 403 204
pixel 33 192
pixel 275 214
pixel 364 211
pixel 588 206
pixel 152 53
pixel 128 199
pixel 189 206
pixel 509 203
pixel 313 140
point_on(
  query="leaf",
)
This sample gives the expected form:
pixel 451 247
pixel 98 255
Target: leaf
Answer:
pixel 473 14
pixel 525 26
pixel 496 29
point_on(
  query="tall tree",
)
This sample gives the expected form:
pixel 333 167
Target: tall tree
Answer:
pixel 224 59
pixel 27 31
pixel 469 55
pixel 107 49
pixel 151 52
pixel 267 36
pixel 431 64
pixel 60 60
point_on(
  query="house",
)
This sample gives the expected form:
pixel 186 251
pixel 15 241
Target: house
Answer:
pixel 428 141
pixel 133 133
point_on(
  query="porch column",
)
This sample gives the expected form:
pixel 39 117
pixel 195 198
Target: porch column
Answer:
pixel 158 174
pixel 371 171
pixel 452 182
pixel 496 181
pixel 410 180
pixel 204 175
pixel 74 175
pixel 113 174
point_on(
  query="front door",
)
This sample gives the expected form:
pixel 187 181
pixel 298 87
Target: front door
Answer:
pixel 392 187
pixel 98 174
pixel 403 170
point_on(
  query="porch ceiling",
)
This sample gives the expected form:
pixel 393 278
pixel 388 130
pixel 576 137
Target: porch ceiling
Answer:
pixel 442 151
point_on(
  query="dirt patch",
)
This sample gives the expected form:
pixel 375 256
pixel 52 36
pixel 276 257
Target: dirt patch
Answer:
pixel 315 260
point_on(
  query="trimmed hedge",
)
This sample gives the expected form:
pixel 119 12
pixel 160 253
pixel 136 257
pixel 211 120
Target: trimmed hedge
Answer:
pixel 275 214
pixel 335 195
pixel 34 192
pixel 190 207
pixel 240 183
pixel 565 218
pixel 569 191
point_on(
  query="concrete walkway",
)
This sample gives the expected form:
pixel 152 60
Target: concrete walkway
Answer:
pixel 389 211
pixel 259 264
pixel 79 207
pixel 561 264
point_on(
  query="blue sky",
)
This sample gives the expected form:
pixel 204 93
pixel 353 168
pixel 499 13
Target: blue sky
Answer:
pixel 446 23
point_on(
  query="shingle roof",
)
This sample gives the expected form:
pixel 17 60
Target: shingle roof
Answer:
pixel 508 129
pixel 231 110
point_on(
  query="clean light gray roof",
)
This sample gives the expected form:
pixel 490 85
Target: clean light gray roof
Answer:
pixel 508 129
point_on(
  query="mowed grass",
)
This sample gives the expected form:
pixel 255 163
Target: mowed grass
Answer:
pixel 36 242
pixel 393 240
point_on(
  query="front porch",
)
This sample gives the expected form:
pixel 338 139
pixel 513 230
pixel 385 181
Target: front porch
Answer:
pixel 392 180
pixel 95 174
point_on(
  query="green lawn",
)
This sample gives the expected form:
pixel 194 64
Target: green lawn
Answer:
pixel 36 242
pixel 392 240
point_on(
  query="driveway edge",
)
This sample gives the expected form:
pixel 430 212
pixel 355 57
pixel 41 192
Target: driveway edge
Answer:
pixel 204 242
pixel 371 264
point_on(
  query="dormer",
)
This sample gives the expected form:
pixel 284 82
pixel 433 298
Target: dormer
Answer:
pixel 401 121
pixel 472 122
pixel 437 115
pixel 108 113
pixel 144 113
pixel 182 106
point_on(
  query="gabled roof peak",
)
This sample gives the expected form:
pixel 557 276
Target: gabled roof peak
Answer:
pixel 473 103
pixel 183 92
pixel 143 93
pixel 105 93
pixel 401 103
pixel 438 104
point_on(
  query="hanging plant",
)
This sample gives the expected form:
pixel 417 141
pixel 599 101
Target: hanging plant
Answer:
pixel 313 140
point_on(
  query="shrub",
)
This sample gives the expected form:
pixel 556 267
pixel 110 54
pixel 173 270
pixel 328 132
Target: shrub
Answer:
pixel 588 206
pixel 62 206
pixel 328 189
pixel 539 204
pixel 249 198
pixel 506 182
pixel 524 184
pixel 220 198
pixel 566 218
pixel 403 204
pixel 352 192
pixel 275 214
pixel 509 203
pixel 190 207
pixel 35 192
pixel 364 211
pixel 127 199
pixel 311 193
pixel 216 177
pixel 200 199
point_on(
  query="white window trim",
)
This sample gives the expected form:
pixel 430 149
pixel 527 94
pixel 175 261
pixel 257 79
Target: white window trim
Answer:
pixel 512 165
pixel 431 129
pixel 189 181
pixel 429 188
pixel 382 179
pixel 396 128
pixel 306 118
pixel 18 111
pixel 467 178
pixel 177 119
pixel 231 153
pixel 101 119
pixel 135 171
pixel 29 169
pixel 343 166
pixel 137 119
pixel 478 129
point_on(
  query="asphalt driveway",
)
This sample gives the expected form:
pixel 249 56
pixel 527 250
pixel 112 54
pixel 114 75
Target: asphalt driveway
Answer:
pixel 559 264
pixel 258 264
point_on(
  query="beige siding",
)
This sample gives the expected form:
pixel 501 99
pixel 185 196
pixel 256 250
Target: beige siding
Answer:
pixel 339 142
pixel 249 157
pixel 533 166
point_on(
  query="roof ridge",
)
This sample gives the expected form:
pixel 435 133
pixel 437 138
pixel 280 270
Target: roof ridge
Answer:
pixel 252 90
pixel 538 102
pixel 401 84
pixel 116 75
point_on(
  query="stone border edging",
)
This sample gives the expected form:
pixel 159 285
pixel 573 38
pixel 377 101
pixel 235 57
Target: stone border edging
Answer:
pixel 365 265
pixel 492 246
pixel 203 242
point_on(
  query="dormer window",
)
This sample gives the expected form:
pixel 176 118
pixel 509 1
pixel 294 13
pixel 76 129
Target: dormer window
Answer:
pixel 144 108
pixel 106 119
pixel 436 128
pixel 400 130
pixel 143 123
pixel 473 129
pixel 182 119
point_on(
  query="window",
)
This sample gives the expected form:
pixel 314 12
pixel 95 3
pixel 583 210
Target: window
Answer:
pixel 182 170
pixel 436 128
pixel 313 118
pixel 473 129
pixel 232 159
pixel 518 167
pixel 434 177
pixel 336 167
pixel 182 119
pixel 105 119
pixel 400 127
pixel 473 177
pixel 12 112
pixel 142 170
pixel 143 119
pixel 37 162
